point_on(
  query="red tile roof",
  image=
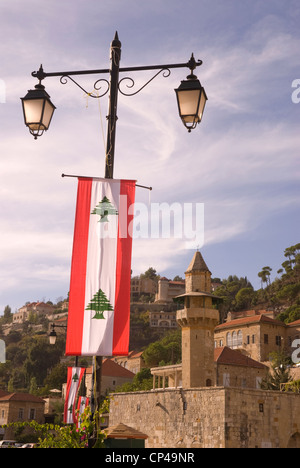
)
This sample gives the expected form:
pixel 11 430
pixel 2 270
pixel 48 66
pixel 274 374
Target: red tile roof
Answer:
pixel 248 320
pixel 228 356
pixel 294 324
pixel 112 369
pixel 21 397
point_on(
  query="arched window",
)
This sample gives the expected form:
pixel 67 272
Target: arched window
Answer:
pixel 240 339
pixel 234 340
pixel 229 340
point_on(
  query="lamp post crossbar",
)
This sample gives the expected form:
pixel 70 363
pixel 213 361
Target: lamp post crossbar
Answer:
pixel 41 74
pixel 191 97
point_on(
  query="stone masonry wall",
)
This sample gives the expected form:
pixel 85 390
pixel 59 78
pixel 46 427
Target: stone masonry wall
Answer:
pixel 173 418
pixel 214 417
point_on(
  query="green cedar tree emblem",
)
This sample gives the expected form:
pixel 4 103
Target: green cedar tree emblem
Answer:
pixel 75 377
pixel 103 209
pixel 99 304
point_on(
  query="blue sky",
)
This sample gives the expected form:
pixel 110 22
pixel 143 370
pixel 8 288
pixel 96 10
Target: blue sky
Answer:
pixel 242 162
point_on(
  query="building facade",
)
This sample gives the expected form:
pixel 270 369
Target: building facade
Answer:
pixel 258 336
pixel 36 308
pixel 19 407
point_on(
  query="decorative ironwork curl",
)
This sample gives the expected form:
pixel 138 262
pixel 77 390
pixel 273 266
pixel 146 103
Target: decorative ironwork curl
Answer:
pixel 165 72
pixel 64 79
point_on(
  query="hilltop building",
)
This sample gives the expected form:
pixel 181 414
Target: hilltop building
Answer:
pixel 36 308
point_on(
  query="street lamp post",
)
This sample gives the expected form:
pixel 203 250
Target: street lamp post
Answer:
pixel 191 96
pixel 38 108
pixel 53 337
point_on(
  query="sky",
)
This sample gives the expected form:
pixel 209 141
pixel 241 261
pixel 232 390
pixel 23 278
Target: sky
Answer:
pixel 239 168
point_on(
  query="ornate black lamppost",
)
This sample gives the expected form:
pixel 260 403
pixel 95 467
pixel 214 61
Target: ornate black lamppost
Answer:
pixel 38 108
pixel 191 97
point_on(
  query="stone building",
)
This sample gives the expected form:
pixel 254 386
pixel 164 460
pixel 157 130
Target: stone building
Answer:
pixel 257 336
pixel 209 410
pixel 133 362
pixel 36 308
pixel 113 376
pixel 140 286
pixel 168 289
pixel 19 407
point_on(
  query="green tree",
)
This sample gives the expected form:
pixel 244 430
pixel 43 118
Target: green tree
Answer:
pixel 150 274
pixel 167 350
pixel 33 389
pixel 244 298
pixel 7 315
pixel 264 275
pixel 279 374
pixel 57 376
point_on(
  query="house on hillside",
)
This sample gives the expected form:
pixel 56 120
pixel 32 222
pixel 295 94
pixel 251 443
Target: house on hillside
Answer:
pixel 134 362
pixel 257 336
pixel 36 308
pixel 168 290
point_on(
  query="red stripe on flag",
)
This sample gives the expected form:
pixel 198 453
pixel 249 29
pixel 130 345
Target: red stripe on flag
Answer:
pixel 69 383
pixel 78 268
pixel 123 271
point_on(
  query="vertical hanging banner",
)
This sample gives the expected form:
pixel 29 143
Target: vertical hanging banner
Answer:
pixel 83 402
pixel 75 375
pixel 99 299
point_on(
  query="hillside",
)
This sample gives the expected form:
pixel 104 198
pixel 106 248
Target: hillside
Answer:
pixel 33 365
pixel 281 295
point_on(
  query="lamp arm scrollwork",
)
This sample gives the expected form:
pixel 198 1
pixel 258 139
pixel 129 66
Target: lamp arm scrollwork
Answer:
pixel 64 79
pixel 165 72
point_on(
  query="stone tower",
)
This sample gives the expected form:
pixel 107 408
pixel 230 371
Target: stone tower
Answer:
pixel 198 320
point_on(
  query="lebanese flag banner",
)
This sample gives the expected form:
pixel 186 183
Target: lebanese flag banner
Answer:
pixel 99 299
pixel 83 402
pixel 75 375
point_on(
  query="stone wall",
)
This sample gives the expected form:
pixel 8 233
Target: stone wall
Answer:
pixel 173 418
pixel 214 417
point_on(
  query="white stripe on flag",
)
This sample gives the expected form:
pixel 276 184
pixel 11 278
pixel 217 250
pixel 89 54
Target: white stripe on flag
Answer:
pixel 101 271
pixel 74 379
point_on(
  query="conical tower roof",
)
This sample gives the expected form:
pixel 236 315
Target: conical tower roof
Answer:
pixel 197 263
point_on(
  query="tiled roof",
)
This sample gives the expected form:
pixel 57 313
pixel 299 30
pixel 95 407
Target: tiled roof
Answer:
pixel 123 431
pixel 112 369
pixel 197 263
pixel 21 397
pixel 294 324
pixel 248 320
pixel 228 356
